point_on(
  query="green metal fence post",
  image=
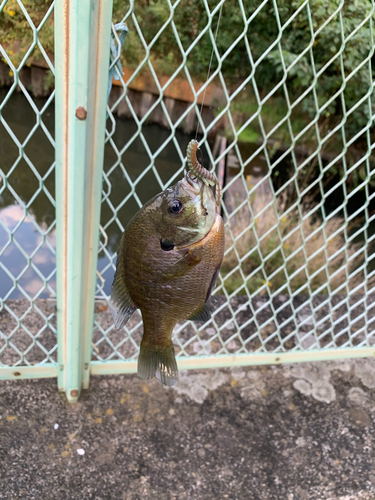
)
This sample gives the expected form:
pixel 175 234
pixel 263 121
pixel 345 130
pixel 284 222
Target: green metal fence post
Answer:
pixel 82 44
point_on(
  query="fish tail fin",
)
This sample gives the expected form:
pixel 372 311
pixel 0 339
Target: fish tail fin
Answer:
pixel 159 362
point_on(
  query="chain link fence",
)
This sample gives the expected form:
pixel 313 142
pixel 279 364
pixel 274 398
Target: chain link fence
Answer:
pixel 297 275
pixel 27 204
pixel 288 107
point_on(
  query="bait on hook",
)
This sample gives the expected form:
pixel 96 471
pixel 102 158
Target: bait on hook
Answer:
pixel 200 172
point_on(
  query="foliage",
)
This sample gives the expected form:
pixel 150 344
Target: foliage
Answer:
pixel 330 56
pixel 338 50
pixel 17 36
pixel 320 50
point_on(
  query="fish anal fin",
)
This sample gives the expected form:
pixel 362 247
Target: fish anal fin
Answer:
pixel 203 313
pixel 213 282
pixel 159 362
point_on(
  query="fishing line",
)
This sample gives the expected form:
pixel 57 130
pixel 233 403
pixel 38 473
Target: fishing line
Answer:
pixel 209 69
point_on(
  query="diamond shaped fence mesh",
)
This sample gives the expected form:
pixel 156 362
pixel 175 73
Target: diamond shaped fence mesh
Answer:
pixel 281 94
pixel 291 88
pixel 27 205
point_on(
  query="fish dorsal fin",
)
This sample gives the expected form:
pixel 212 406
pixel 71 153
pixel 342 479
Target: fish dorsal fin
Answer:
pixel 121 304
pixel 203 313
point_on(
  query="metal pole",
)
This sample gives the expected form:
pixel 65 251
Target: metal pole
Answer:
pixel 82 44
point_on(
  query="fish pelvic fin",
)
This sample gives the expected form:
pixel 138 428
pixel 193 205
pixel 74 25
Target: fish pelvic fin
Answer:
pixel 159 362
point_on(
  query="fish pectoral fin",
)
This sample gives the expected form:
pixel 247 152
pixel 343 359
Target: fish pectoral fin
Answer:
pixel 159 362
pixel 203 313
pixel 121 304
pixel 181 267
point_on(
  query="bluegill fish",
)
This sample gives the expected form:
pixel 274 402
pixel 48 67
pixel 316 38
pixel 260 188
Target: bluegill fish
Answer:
pixel 167 266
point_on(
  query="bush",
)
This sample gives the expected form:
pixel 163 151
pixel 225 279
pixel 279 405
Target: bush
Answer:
pixel 332 41
pixel 17 36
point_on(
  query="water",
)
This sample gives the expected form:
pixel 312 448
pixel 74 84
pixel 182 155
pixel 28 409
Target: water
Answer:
pixel 28 240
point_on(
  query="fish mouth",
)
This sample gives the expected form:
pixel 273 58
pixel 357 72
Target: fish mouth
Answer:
pixel 192 183
pixel 195 187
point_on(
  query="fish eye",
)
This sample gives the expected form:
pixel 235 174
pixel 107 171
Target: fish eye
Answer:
pixel 175 207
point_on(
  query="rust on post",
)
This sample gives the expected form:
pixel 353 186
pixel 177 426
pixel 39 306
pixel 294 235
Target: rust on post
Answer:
pixel 64 157
pixel 74 393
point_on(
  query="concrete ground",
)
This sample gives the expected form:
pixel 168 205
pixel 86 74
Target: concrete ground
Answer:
pixel 296 432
